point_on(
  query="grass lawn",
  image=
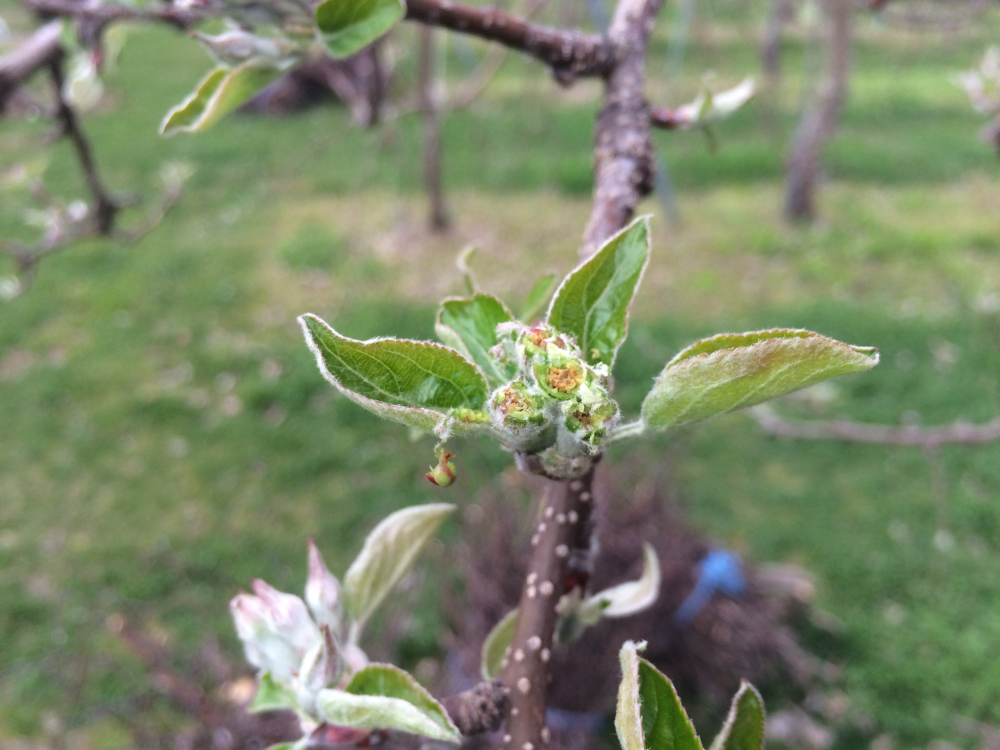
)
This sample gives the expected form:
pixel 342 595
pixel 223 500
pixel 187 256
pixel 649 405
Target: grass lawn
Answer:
pixel 165 436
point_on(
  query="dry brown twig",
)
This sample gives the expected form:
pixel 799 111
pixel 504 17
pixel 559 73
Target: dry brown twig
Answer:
pixel 858 432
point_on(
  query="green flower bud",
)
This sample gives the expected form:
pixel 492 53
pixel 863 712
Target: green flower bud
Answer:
pixel 471 416
pixel 444 473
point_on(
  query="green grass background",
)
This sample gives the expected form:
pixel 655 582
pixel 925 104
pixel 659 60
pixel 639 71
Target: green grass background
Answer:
pixel 164 434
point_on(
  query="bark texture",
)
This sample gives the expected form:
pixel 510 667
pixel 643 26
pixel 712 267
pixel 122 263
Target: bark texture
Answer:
pixel 624 161
pixel 564 506
pixel 568 53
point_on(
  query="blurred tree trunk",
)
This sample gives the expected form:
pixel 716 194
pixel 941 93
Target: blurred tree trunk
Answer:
pixel 819 121
pixel 770 43
pixel 782 11
pixel 359 82
pixel 431 115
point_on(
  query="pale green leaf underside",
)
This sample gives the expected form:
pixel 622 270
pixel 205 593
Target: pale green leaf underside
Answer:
pixel 220 92
pixel 410 374
pixel 271 696
pixel 649 714
pixel 744 727
pixel 349 25
pixel 629 598
pixel 628 717
pixel 496 644
pixel 388 553
pixel 377 712
pixel 593 302
pixel 731 371
pixel 392 682
pixel 469 326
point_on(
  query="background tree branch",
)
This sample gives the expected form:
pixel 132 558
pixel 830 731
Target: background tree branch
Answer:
pixel 858 432
pixel 570 54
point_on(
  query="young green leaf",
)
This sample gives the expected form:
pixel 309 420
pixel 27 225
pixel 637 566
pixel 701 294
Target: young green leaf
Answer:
pixel 537 297
pixel 496 644
pixel 377 712
pixel 271 696
pixel 220 92
pixel 731 371
pixel 388 681
pixel 464 265
pixel 469 326
pixel 628 598
pixel 744 727
pixel 650 715
pixel 349 25
pixel 387 555
pixel 593 302
pixel 404 381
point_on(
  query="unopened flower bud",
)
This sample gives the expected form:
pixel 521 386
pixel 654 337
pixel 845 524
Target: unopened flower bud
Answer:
pixel 322 665
pixel 444 473
pixel 323 592
pixel 289 617
pixel 265 647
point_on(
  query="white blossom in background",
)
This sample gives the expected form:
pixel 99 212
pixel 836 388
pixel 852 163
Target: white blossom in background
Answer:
pixel 307 651
pixel 83 87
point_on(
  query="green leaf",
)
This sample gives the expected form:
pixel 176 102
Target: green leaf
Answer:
pixel 593 302
pixel 350 25
pixel 403 381
pixel 387 681
pixel 388 553
pixel 220 92
pixel 469 326
pixel 537 297
pixel 744 727
pixel 300 745
pixel 650 715
pixel 377 712
pixel 496 644
pixel 731 371
pixel 271 696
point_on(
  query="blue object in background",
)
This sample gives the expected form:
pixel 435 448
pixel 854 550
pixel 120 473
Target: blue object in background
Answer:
pixel 719 570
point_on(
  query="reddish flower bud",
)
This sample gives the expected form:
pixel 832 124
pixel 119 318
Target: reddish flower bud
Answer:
pixel 444 473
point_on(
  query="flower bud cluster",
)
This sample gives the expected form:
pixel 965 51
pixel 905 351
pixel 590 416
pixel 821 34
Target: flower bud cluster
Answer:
pixel 557 405
pixel 300 644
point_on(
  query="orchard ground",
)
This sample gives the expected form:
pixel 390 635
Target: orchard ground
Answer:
pixel 166 435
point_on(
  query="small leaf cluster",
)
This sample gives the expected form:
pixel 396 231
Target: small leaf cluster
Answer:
pixel 542 388
pixel 308 650
pixel 266 40
pixel 577 613
pixel 650 716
